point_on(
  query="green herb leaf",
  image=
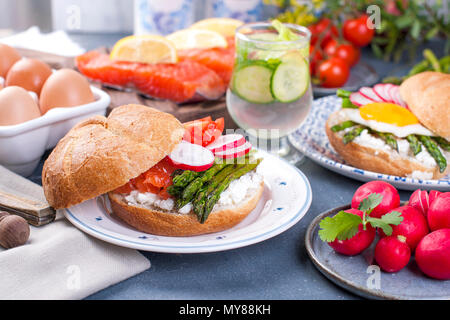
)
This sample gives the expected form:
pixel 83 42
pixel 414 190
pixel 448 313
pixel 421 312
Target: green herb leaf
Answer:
pixel 342 226
pixel 370 203
pixel 385 222
pixel 284 33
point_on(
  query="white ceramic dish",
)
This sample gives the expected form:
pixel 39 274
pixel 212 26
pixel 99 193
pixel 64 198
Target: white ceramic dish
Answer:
pixel 22 145
pixel 312 141
pixel 286 199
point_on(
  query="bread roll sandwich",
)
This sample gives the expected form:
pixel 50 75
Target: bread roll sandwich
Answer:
pixel 126 157
pixel 408 136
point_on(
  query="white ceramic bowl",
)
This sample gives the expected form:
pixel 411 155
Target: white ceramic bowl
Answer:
pixel 22 145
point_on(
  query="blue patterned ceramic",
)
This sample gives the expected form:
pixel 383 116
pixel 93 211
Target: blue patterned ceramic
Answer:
pixel 360 274
pixel 312 141
pixel 286 199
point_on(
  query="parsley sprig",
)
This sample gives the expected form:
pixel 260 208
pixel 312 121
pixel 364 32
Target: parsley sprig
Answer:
pixel 344 225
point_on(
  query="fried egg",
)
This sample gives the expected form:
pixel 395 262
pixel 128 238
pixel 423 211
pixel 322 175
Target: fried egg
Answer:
pixel 387 117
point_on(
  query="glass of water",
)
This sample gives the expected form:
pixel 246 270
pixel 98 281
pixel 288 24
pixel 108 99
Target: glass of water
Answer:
pixel 270 93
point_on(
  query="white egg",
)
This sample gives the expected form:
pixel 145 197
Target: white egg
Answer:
pixel 400 132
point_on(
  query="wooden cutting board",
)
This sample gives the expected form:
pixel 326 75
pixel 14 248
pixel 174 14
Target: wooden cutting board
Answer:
pixel 183 112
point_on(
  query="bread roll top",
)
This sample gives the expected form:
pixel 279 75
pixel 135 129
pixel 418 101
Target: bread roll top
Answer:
pixel 101 154
pixel 427 95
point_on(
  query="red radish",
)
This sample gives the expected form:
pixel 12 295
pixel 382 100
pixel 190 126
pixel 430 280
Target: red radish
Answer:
pixel 392 253
pixel 234 152
pixel 189 156
pixel 358 99
pixel 359 242
pixel 369 93
pixel 433 254
pixel 226 142
pixel 433 195
pixel 420 201
pixel 391 198
pixel 439 212
pixel 397 97
pixel 380 90
pixel 413 227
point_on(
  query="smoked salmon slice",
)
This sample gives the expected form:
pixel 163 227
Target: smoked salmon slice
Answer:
pixel 181 82
pixel 221 60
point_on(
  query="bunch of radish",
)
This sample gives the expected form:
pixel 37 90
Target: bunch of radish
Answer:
pixel 423 232
pixel 382 92
pixel 189 156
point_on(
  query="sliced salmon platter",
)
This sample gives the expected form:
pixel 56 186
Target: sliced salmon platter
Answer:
pixel 190 65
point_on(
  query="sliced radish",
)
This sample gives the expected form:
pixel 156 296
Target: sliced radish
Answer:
pixel 369 93
pixel 235 152
pixel 188 156
pixel 225 142
pixel 397 96
pixel 380 90
pixel 358 99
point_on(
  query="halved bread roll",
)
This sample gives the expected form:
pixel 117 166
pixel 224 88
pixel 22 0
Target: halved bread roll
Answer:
pixel 157 221
pixel 378 157
pixel 101 154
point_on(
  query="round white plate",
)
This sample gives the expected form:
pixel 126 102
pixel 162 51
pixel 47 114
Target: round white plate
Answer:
pixel 312 141
pixel 286 199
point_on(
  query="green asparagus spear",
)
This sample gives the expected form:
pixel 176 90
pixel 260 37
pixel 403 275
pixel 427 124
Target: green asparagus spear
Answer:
pixel 215 196
pixel 347 104
pixel 342 126
pixel 422 66
pixel 183 179
pixel 434 151
pixel 352 134
pixel 191 189
pixel 414 144
pixel 343 93
pixel 429 55
pixel 200 198
pixel 389 138
pixel 174 191
pixel 444 144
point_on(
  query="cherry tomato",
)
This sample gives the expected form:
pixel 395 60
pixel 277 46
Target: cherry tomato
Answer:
pixel 315 57
pixel 349 53
pixel 357 31
pixel 323 31
pixel 333 73
pixel 331 47
pixel 203 131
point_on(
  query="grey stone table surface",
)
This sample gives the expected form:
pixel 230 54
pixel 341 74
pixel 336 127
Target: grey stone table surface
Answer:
pixel 277 268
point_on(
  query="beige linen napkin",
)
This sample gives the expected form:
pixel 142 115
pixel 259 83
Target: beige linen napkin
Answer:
pixel 61 262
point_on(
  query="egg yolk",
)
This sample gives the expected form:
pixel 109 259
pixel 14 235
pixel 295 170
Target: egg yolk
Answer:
pixel 388 113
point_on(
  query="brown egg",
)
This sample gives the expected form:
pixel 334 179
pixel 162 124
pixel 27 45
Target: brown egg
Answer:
pixel 8 56
pixel 65 88
pixel 17 106
pixel 29 74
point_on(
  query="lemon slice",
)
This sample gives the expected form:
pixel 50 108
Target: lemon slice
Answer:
pixel 197 38
pixel 144 49
pixel 225 26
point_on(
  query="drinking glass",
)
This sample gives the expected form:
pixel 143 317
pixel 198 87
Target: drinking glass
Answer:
pixel 270 93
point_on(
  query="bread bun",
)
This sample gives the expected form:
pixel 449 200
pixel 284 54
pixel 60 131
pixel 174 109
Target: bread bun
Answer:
pixel 427 95
pixel 101 154
pixel 366 157
pixel 156 221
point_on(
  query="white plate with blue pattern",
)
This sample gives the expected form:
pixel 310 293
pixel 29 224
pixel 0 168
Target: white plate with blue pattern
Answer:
pixel 286 198
pixel 310 139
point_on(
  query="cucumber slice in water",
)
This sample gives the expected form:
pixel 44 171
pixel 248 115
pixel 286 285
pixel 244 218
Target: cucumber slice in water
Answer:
pixel 252 83
pixel 290 79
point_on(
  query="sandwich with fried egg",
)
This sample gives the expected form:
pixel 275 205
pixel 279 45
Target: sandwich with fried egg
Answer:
pixel 125 158
pixel 407 141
